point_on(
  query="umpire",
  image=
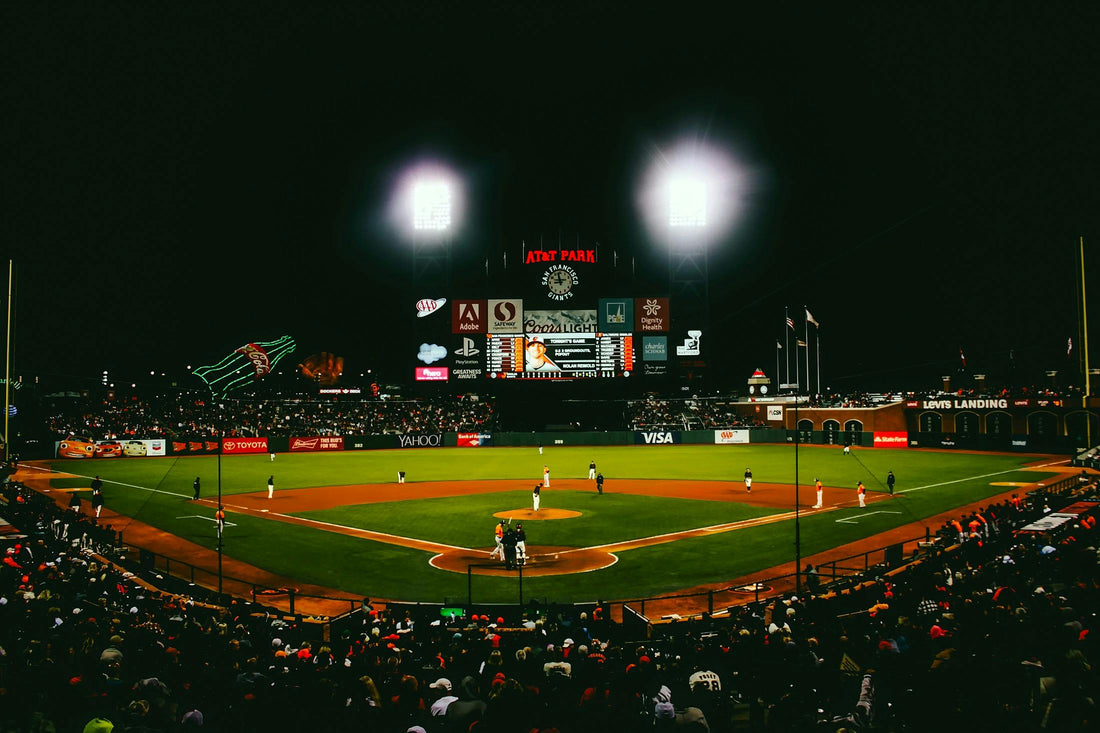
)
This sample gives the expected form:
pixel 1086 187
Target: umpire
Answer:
pixel 509 542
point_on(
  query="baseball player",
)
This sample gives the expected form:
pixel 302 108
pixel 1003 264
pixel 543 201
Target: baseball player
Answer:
pixel 592 470
pixel 498 535
pixel 536 496
pixel 820 493
pixel 748 480
pixel 861 492
pixel 270 486
pixel 546 476
pixel 521 545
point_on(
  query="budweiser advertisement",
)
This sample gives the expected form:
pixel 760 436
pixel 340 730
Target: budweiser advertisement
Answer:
pixel 891 440
pixel 244 445
pixel 317 442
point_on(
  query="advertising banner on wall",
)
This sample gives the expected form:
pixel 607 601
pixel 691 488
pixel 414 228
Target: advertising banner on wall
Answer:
pixel 616 315
pixel 468 316
pixel 317 442
pixel 425 440
pixel 559 321
pixel 244 445
pixel 654 348
pixel 432 374
pixel 657 437
pixel 474 440
pixel 891 439
pixel 193 447
pixel 731 437
pixel 505 316
pixel 651 315
pixel 75 447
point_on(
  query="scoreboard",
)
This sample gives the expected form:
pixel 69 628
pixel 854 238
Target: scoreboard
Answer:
pixel 559 355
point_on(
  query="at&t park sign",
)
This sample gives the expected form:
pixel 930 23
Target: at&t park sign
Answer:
pixel 958 404
pixel 541 256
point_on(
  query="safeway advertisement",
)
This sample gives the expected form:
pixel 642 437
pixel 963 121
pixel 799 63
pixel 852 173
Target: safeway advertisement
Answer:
pixel 244 445
pixel 891 440
pixel 317 442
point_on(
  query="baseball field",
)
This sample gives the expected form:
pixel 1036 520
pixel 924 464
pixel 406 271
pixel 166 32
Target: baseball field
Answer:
pixel 671 517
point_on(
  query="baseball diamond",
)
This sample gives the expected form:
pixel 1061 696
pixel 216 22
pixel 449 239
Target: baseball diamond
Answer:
pixel 671 518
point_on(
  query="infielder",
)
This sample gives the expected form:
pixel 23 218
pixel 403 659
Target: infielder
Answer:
pixel 270 486
pixel 592 470
pixel 546 476
pixel 748 480
pixel 536 496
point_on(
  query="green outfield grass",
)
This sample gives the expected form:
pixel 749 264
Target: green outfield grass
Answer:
pixel 156 491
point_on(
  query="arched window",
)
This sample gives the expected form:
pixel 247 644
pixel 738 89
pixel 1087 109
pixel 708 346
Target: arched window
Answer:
pixel 1042 425
pixel 931 422
pixel 998 424
pixel 967 423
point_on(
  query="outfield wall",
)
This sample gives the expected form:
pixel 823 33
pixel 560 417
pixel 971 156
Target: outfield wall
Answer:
pixel 1022 443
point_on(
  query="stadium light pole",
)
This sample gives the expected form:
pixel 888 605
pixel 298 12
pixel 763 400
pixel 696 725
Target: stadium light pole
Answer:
pixel 217 522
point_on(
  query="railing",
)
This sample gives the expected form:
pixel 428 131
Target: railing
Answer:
pixel 237 587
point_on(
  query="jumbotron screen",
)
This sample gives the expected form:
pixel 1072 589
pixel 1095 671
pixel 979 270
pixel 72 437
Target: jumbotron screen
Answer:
pixel 559 356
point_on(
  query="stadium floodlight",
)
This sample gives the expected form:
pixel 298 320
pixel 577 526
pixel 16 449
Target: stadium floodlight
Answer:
pixel 431 205
pixel 426 203
pixel 687 202
pixel 692 193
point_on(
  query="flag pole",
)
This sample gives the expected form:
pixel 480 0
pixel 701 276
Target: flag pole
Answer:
pixel 777 347
pixel 817 346
pixel 809 389
pixel 787 342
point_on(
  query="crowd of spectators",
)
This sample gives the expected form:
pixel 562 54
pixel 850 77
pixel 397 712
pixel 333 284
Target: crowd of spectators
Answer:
pixel 993 633
pixel 696 413
pixel 188 416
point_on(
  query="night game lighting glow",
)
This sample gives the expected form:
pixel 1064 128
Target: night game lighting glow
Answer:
pixel 692 192
pixel 431 205
pixel 426 202
pixel 687 202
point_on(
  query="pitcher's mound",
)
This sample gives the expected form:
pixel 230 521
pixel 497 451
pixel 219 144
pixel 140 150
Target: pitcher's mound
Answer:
pixel 542 560
pixel 526 514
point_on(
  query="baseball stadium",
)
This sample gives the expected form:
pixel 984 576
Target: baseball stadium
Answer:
pixel 548 368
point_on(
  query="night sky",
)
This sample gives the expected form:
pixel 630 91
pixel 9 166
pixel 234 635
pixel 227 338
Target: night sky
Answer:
pixel 180 180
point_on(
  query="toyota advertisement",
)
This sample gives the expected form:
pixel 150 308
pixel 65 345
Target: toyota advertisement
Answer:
pixel 234 446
